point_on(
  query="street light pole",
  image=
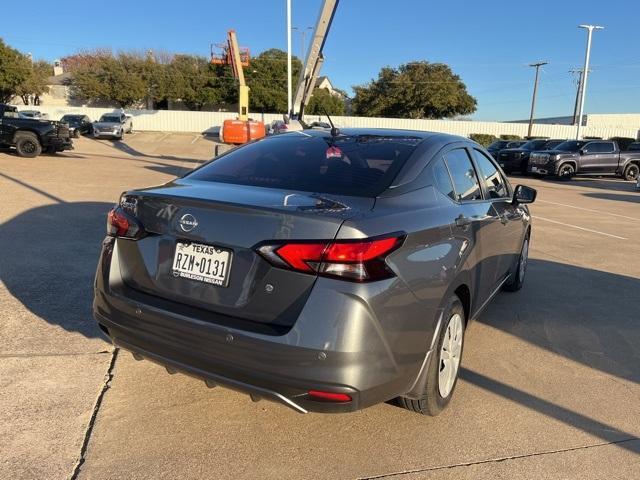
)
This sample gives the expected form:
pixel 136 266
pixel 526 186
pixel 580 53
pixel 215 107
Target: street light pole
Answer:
pixel 289 87
pixel 535 92
pixel 585 73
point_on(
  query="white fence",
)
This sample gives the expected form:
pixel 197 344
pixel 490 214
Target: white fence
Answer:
pixel 209 122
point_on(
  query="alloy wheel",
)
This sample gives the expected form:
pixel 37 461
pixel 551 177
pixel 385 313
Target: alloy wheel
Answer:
pixel 450 353
pixel 524 256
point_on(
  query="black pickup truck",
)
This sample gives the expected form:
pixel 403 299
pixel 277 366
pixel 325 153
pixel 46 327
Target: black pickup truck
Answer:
pixel 31 137
pixel 517 159
pixel 586 157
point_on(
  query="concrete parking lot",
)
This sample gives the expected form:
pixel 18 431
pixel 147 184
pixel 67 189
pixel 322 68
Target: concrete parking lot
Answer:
pixel 550 384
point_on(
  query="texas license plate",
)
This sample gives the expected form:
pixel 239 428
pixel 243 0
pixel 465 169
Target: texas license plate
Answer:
pixel 203 263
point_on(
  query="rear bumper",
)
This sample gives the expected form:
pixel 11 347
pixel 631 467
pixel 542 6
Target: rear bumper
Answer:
pixel 337 345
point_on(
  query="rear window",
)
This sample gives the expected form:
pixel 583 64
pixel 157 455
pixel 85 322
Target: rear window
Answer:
pixel 357 165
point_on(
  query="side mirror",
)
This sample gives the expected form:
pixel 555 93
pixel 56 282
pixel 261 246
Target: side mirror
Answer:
pixel 524 194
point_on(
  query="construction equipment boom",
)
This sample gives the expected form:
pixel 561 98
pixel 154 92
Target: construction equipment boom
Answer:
pixel 313 62
pixel 241 130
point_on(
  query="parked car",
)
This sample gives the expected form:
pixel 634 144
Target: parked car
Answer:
pixel 498 145
pixel 324 272
pixel 78 124
pixel 30 136
pixel 517 159
pixel 277 127
pixel 35 114
pixel 113 125
pixel 586 157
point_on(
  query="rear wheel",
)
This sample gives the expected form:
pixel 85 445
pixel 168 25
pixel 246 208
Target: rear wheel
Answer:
pixel 631 172
pixel 517 277
pixel 27 144
pixel 442 375
pixel 566 171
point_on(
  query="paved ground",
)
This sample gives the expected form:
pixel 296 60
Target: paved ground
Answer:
pixel 550 386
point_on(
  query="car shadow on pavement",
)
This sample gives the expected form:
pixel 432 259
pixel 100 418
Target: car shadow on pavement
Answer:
pixel 48 261
pixel 585 315
pixel 605 432
pixel 615 197
pixel 128 149
pixel 609 183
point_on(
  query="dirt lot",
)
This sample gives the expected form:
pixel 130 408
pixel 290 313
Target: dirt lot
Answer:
pixel 550 386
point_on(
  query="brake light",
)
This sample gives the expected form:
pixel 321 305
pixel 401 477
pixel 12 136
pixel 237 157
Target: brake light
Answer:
pixel 360 260
pixel 122 224
pixel 328 396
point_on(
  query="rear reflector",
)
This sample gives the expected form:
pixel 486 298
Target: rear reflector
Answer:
pixel 122 224
pixel 359 260
pixel 328 396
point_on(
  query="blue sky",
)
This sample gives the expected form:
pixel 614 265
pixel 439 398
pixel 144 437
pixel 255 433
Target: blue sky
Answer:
pixel 488 43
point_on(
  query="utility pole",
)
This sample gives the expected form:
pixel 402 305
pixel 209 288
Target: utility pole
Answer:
pixel 585 73
pixel 289 87
pixel 577 71
pixel 535 92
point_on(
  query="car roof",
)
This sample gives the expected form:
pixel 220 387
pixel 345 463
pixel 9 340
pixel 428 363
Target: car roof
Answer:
pixel 396 132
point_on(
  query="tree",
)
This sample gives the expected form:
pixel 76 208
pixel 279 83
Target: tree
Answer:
pixel 414 90
pixel 36 82
pixel 267 78
pixel 198 83
pixel 15 69
pixel 323 102
pixel 111 79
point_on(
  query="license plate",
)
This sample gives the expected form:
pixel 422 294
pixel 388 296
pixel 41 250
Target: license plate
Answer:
pixel 534 169
pixel 203 263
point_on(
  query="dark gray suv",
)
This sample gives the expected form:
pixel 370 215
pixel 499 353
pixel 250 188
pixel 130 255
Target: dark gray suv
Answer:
pixel 324 270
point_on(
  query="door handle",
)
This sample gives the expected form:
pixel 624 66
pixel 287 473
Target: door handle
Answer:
pixel 463 222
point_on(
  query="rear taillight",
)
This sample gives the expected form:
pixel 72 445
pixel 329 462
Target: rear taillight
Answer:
pixel 356 260
pixel 322 396
pixel 123 224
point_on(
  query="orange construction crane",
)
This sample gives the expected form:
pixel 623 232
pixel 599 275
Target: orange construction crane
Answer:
pixel 241 130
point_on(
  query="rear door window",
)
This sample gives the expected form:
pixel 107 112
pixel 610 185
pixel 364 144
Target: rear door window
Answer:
pixel 442 180
pixel 600 147
pixel 494 184
pixel 465 180
pixel 357 165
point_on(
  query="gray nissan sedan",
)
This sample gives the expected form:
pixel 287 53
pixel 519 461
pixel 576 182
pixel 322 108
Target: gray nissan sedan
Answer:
pixel 324 270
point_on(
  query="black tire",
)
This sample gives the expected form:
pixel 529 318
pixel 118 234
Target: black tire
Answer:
pixel 516 280
pixel 121 136
pixel 431 402
pixel 631 172
pixel 27 144
pixel 566 171
pixel 76 133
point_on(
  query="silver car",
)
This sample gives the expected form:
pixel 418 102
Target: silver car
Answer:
pixel 113 125
pixel 324 270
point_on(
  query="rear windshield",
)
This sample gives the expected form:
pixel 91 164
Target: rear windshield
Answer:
pixel 360 165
